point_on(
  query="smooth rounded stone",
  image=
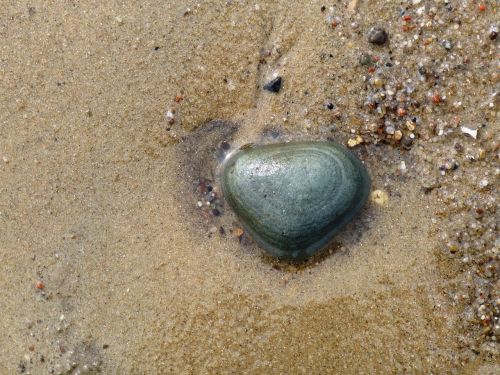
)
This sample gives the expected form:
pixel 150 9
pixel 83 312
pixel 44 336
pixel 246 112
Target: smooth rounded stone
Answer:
pixel 292 198
pixel 377 35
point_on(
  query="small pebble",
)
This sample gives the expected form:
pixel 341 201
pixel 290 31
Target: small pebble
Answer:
pixel 379 197
pixel 377 35
pixel 493 33
pixel 481 154
pixel 237 231
pixel 365 59
pixel 483 184
pixel 169 116
pixel 446 44
pixel 410 125
pixel 378 83
pixel 353 142
pixel 402 112
pixel 407 142
pixel 225 146
pixel 469 131
pixel 274 85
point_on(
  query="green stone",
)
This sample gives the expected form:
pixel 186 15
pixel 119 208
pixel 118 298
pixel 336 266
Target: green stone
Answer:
pixel 292 198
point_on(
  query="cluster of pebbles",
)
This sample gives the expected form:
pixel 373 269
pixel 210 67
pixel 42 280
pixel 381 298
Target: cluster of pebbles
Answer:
pixel 421 84
pixel 465 183
pixel 421 70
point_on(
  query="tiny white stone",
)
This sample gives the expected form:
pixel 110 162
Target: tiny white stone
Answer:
pixel 483 183
pixel 169 115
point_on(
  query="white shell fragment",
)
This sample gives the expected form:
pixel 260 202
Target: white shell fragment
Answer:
pixel 469 131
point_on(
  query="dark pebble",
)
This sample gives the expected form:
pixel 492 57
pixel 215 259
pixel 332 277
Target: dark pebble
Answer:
pixel 493 34
pixel 274 85
pixel 459 147
pixel 430 187
pixel 377 35
pixel 215 212
pixel 365 59
pixel 225 146
pixel 329 105
pixel 407 142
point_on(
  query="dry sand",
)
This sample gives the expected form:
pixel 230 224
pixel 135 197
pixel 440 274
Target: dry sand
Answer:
pixel 98 198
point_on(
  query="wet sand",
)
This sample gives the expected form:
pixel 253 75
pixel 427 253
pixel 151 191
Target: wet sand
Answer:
pixel 107 264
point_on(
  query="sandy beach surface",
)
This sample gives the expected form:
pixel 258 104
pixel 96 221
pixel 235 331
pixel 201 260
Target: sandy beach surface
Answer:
pixel 112 118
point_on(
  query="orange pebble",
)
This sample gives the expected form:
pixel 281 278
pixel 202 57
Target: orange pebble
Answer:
pixel 482 7
pixel 237 232
pixel 402 112
pixel 39 285
pixel 436 98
